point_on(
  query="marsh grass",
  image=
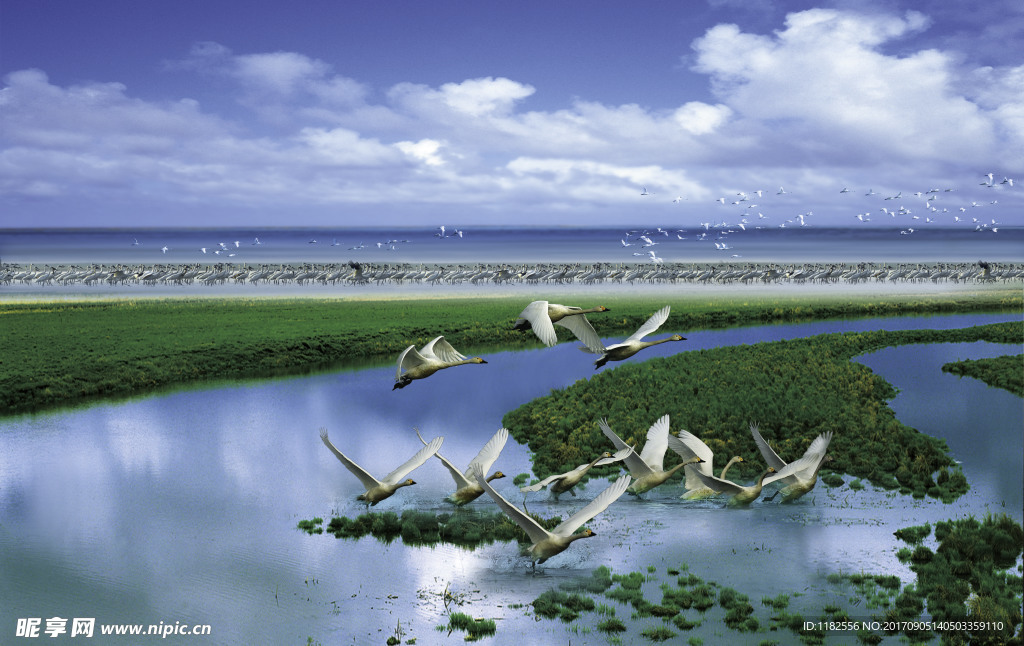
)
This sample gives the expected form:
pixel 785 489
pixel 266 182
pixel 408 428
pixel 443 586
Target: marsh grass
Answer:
pixel 1000 372
pixel 313 526
pixel 59 354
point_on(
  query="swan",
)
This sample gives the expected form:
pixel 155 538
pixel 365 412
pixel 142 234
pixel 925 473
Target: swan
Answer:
pixel 377 490
pixel 466 487
pixel 741 496
pixel 434 356
pixel 801 474
pixel 688 446
pixel 564 482
pixel 541 315
pixel 648 467
pixel 633 344
pixel 546 544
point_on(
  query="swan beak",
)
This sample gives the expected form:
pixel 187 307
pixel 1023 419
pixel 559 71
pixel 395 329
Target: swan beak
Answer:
pixel 482 361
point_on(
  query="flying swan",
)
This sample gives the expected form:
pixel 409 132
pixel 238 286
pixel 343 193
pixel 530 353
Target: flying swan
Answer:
pixel 541 315
pixel 648 467
pixel 467 489
pixel 634 343
pixel 564 482
pixel 434 356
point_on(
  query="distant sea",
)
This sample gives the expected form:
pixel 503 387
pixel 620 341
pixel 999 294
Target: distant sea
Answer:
pixel 507 245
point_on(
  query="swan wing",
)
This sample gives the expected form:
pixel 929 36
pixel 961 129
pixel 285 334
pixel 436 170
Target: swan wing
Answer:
pixel 797 470
pixel 410 358
pixel 651 324
pixel 657 442
pixel 618 456
pixel 583 330
pixel 717 484
pixel 689 446
pixel 457 476
pixel 820 444
pixel 768 453
pixel 518 516
pixel 593 508
pixel 537 314
pixel 543 483
pixel 442 350
pixel 634 463
pixel 368 480
pixel 487 455
pixel 421 456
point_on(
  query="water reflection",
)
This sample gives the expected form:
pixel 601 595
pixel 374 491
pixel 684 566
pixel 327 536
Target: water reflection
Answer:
pixel 183 506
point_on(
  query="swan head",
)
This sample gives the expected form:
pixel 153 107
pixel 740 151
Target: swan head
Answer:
pixel 587 533
pixel 677 337
pixel 401 383
pixel 495 476
pixel 602 308
pixel 477 360
pixel 408 482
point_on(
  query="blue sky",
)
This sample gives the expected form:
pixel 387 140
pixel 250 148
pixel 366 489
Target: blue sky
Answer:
pixel 188 113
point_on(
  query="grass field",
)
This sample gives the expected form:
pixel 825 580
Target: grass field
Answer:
pixel 56 354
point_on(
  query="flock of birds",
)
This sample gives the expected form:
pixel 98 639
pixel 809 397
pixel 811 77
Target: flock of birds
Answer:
pixel 907 212
pixel 365 274
pixel 646 468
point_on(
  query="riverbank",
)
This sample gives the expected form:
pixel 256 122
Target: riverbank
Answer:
pixel 59 353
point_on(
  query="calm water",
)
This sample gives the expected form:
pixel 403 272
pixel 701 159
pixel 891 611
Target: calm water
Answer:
pixel 511 245
pixel 182 507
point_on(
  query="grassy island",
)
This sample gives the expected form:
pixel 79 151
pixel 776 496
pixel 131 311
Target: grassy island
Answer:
pixel 1006 372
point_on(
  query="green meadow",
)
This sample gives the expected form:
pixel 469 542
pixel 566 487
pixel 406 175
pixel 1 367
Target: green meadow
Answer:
pixel 58 354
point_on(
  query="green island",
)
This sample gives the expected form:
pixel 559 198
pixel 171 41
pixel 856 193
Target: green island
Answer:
pixel 1006 372
pixel 793 389
pixel 63 353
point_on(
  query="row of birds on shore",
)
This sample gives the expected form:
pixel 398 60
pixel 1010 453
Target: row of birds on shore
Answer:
pixel 541 317
pixel 367 274
pixel 645 472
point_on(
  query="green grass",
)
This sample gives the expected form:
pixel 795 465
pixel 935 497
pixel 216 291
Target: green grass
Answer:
pixel 1006 372
pixel 57 354
pixel 464 528
pixel 795 389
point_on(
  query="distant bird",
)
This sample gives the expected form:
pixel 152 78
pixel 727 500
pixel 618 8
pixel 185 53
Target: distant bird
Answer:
pixel 644 192
pixel 136 242
pixel 566 482
pixel 781 191
pixel 871 192
pixel 541 315
pixel 546 544
pixel 377 490
pixel 164 249
pixel 467 489
pixel 256 241
pixel 845 190
pixel 634 343
pixel 434 356
pixel 648 468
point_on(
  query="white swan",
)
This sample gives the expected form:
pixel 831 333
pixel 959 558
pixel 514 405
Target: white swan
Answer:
pixel 377 490
pixel 688 446
pixel 634 344
pixel 564 482
pixel 467 489
pixel 541 315
pixel 648 466
pixel 546 544
pixel 434 356
pixel 800 476
pixel 741 496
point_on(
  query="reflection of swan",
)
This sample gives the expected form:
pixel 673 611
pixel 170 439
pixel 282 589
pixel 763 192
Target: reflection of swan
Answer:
pixel 648 467
pixel 564 482
pixel 377 490
pixel 633 344
pixel 466 487
pixel 688 446
pixel 540 315
pixel 741 496
pixel 434 356
pixel 547 544
pixel 797 477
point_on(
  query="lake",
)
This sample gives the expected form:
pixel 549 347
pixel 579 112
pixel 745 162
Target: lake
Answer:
pixel 182 507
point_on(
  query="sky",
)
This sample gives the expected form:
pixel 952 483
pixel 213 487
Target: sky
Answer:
pixel 194 113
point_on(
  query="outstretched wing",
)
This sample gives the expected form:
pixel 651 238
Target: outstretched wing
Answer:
pixel 421 456
pixel 634 463
pixel 441 349
pixel 618 456
pixel 409 358
pixel 717 484
pixel 593 508
pixel 583 330
pixel 657 442
pixel 689 446
pixel 537 314
pixel 368 481
pixel 487 455
pixel 797 470
pixel 543 483
pixel 770 456
pixel 519 517
pixel 819 445
pixel 651 324
pixel 460 480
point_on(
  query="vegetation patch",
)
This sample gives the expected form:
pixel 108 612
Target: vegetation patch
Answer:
pixel 312 526
pixel 795 389
pixel 1006 372
pixel 465 528
pixel 476 628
